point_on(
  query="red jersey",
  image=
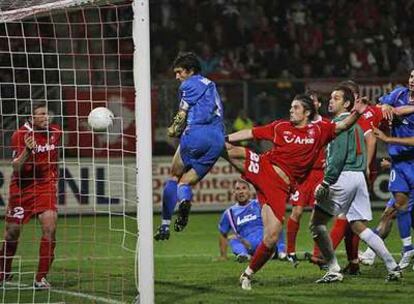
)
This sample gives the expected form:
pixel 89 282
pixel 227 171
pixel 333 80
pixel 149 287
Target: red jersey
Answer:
pixel 372 116
pixel 39 173
pixel 295 150
pixel 321 159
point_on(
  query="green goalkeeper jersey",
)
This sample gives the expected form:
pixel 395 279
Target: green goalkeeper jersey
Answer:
pixel 347 152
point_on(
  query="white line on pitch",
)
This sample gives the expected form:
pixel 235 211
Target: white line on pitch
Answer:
pixel 82 259
pixel 72 293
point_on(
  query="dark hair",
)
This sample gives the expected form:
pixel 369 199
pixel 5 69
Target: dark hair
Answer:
pixel 34 105
pixel 348 95
pixel 314 94
pixel 307 103
pixel 352 85
pixel 188 61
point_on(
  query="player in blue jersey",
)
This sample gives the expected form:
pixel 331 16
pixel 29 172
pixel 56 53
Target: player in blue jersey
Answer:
pixel 244 221
pixel 404 216
pixel 401 183
pixel 199 126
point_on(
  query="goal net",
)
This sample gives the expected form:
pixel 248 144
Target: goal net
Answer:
pixel 78 55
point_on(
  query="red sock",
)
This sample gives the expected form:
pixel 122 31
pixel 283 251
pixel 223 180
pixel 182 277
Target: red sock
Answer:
pixel 7 253
pixel 291 233
pixel 351 244
pixel 316 251
pixel 338 232
pixel 46 256
pixel 260 257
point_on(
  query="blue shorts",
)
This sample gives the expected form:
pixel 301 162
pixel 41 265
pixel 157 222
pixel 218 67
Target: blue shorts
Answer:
pixel 237 247
pixel 200 147
pixel 402 177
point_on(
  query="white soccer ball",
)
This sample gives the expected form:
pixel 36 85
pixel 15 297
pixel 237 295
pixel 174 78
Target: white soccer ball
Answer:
pixel 100 119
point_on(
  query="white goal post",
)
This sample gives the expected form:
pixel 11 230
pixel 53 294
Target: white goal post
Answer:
pixel 142 79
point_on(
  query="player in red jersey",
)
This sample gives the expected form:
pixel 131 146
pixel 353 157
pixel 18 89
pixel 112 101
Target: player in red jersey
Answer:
pixel 304 194
pixel 274 174
pixel 33 190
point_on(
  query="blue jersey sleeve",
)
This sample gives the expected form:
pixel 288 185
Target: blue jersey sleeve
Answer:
pixel 224 224
pixel 392 97
pixel 192 89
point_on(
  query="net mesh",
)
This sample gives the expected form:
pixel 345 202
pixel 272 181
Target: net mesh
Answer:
pixel 76 56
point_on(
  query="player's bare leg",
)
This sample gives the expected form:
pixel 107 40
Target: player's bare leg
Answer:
pixel 8 250
pixel 272 228
pixel 320 235
pixel 48 220
pixel 377 244
pixel 271 225
pixel 292 230
pixel 236 156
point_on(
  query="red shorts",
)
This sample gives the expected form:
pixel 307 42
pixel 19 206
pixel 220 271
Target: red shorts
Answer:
pixel 304 195
pixel 21 209
pixel 270 187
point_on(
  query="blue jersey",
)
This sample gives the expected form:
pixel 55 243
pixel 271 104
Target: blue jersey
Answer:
pixel 200 97
pixel 404 127
pixel 244 221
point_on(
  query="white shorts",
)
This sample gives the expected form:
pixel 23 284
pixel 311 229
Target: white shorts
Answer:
pixel 349 195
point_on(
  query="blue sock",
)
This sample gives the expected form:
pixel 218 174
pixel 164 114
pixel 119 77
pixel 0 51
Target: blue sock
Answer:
pixel 281 244
pixel 169 199
pixel 184 193
pixel 412 218
pixel 404 227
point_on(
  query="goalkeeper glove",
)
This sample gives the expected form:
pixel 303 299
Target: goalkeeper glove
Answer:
pixel 322 192
pixel 178 125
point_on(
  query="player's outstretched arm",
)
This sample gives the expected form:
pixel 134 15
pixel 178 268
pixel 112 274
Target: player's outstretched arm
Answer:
pixel 356 112
pixel 403 110
pixel 240 135
pixel 408 141
pixel 389 111
pixel 19 161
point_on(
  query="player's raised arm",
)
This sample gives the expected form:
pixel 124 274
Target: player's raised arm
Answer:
pixel 20 159
pixel 240 135
pixel 359 108
pixel 408 141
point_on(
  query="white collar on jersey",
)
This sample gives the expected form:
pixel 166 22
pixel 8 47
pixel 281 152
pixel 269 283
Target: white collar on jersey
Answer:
pixel 28 126
pixel 318 119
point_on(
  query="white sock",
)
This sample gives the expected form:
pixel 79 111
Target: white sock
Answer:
pixel 248 271
pixel 333 265
pixel 166 222
pixel 377 244
pixel 406 241
pixel 370 253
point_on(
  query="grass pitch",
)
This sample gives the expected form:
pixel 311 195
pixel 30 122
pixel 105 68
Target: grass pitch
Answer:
pixel 91 267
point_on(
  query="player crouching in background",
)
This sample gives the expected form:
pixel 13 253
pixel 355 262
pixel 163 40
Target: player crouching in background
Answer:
pixel 244 221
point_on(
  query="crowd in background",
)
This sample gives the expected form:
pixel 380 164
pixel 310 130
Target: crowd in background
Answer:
pixel 250 39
